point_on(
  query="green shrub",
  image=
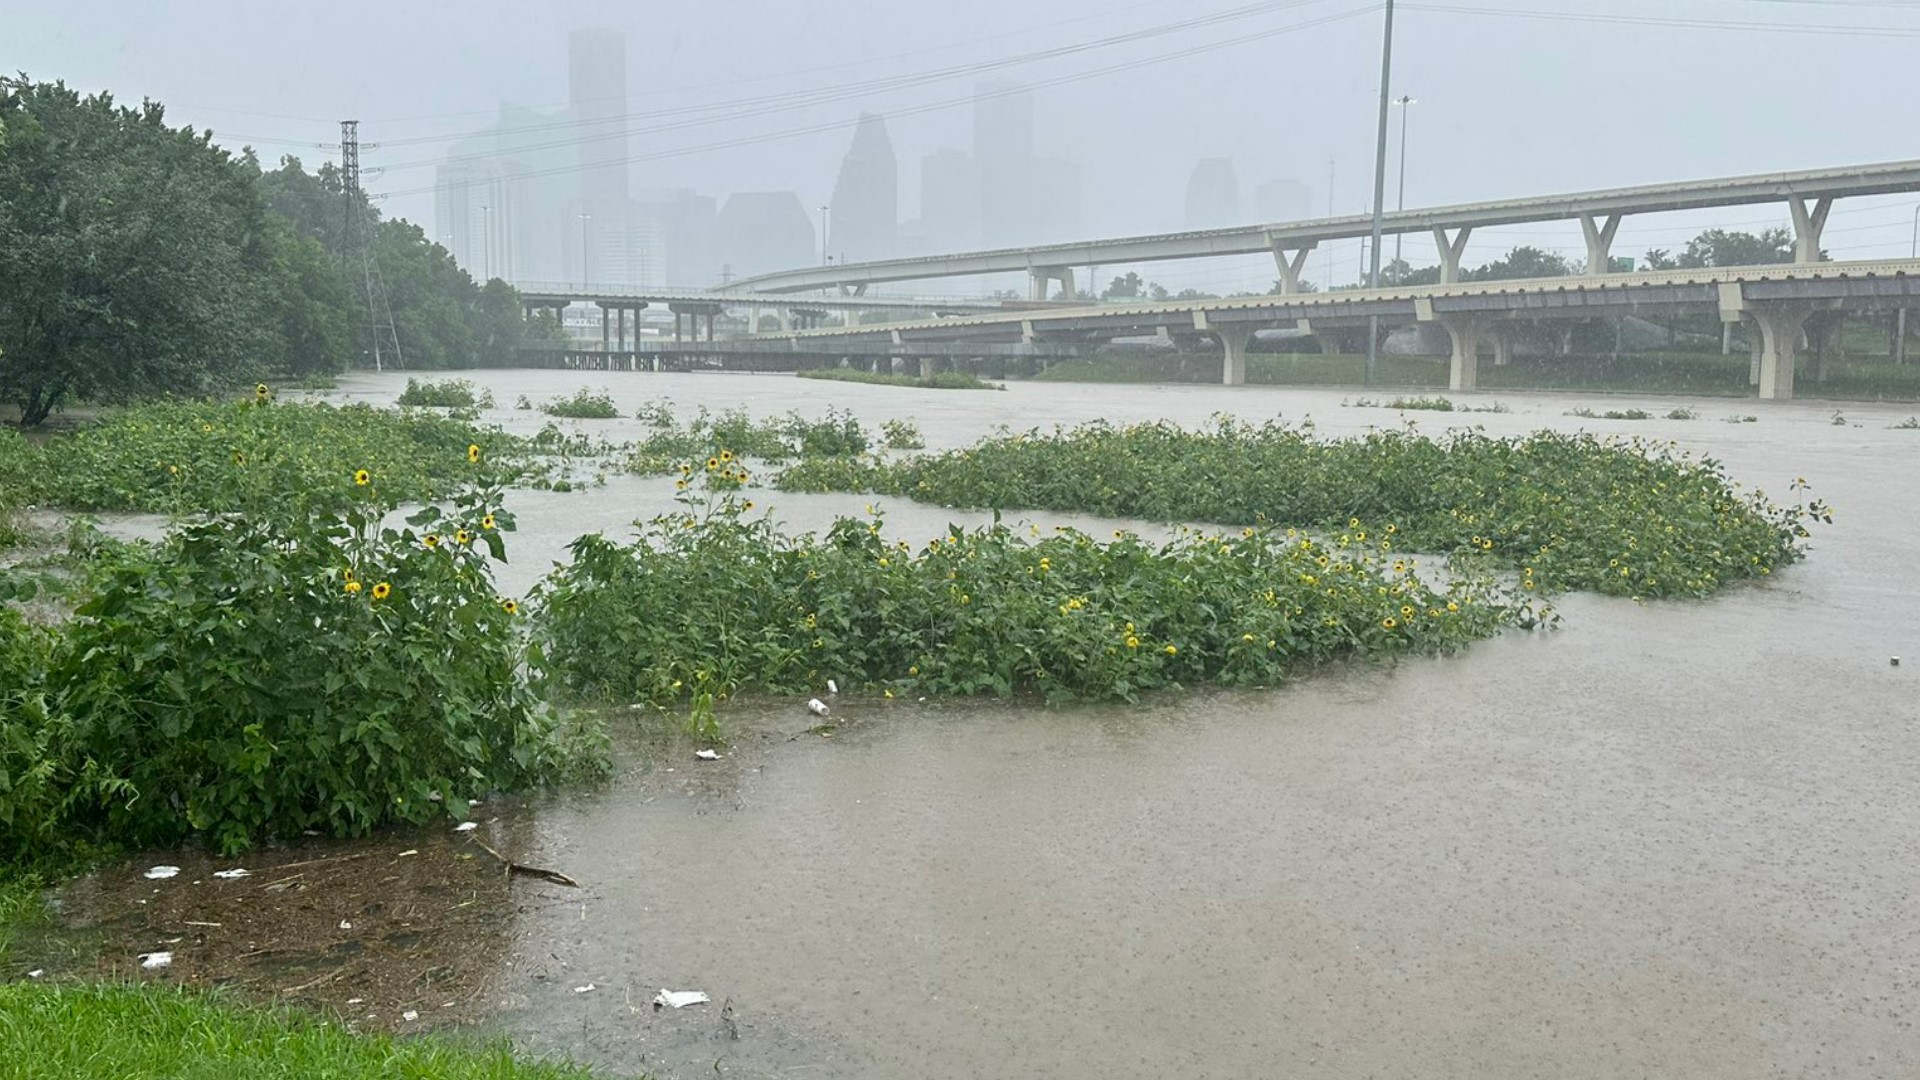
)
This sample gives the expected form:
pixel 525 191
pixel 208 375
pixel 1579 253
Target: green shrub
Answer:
pixel 448 394
pixel 902 435
pixel 269 673
pixel 711 600
pixel 1570 511
pixel 942 380
pixel 174 457
pixel 585 404
pixel 1431 404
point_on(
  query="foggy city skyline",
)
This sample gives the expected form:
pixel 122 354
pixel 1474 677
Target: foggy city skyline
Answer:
pixel 1273 98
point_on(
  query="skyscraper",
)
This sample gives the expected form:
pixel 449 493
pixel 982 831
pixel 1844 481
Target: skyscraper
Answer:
pixel 1282 200
pixel 949 201
pixel 763 231
pixel 1003 152
pixel 866 197
pixel 1213 195
pixel 597 93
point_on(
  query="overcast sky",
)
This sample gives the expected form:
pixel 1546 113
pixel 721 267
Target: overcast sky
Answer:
pixel 1507 106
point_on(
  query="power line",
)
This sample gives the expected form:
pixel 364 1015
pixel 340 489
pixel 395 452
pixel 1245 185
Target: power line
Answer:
pixel 948 103
pixel 1692 24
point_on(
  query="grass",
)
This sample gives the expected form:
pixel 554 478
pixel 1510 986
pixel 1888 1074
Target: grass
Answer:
pixel 1696 374
pixel 114 1031
pixel 943 380
pixel 20 907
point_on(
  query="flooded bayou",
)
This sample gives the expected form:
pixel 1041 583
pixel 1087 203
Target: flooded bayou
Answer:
pixel 1673 838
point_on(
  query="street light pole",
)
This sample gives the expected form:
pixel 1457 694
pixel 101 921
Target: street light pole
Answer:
pixel 586 270
pixel 823 236
pixel 1401 203
pixel 1900 321
pixel 1379 188
pixel 486 232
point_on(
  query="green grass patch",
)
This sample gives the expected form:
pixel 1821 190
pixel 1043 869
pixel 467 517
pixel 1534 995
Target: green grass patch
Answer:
pixel 1569 511
pixel 940 380
pixel 109 1032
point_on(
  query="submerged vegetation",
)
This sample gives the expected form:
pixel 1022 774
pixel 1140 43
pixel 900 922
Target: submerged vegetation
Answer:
pixel 446 394
pixel 585 404
pixel 940 380
pixel 1569 511
pixel 714 600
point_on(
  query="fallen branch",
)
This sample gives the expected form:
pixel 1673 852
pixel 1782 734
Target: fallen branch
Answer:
pixel 513 868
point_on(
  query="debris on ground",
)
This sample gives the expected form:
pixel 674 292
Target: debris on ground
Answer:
pixel 232 875
pixel 161 873
pixel 410 1015
pixel 706 755
pixel 679 999
pixel 524 870
pixel 587 989
pixel 817 707
pixel 155 960
pixel 466 826
pixel 832 687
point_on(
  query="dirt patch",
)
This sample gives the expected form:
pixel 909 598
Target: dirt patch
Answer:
pixel 413 921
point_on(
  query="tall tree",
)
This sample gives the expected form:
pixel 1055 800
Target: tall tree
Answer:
pixel 1522 262
pixel 1719 247
pixel 135 260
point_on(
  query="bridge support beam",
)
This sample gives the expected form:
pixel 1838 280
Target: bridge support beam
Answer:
pixel 1599 243
pixel 1502 339
pixel 1808 224
pixel 1291 264
pixel 1233 364
pixel 1466 332
pixel 1780 326
pixel 1451 248
pixel 859 289
pixel 1041 278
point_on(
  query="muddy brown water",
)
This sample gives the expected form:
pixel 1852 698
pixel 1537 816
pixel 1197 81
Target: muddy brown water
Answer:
pixel 1669 839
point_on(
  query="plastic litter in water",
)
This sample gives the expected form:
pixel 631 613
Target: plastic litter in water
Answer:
pixel 466 826
pixel 817 707
pixel 233 874
pixel 707 755
pixel 679 999
pixel 154 960
pixel 161 873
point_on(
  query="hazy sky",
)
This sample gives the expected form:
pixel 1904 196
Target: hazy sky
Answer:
pixel 1507 105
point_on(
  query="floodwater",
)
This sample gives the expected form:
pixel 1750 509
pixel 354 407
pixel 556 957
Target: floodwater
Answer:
pixel 1675 839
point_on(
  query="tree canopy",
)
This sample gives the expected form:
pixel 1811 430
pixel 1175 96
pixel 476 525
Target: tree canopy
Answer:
pixel 143 260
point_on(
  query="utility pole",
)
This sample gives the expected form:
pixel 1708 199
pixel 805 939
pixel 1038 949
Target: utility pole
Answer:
pixel 1380 188
pixel 586 266
pixel 1401 204
pixel 824 257
pixel 356 239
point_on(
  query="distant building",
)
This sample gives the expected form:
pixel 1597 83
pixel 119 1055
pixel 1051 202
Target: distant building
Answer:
pixel 1003 154
pixel 865 221
pixel 597 97
pixel 759 232
pixel 685 222
pixel 949 201
pixel 496 218
pixel 1057 196
pixel 1213 195
pixel 1282 200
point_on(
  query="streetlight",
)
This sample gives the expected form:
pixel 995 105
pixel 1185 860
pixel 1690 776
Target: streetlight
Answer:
pixel 1380 187
pixel 586 273
pixel 1401 204
pixel 1900 322
pixel 824 257
pixel 486 231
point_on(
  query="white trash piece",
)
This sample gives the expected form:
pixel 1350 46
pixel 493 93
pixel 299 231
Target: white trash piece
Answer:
pixel 679 999
pixel 587 989
pixel 817 707
pixel 345 925
pixel 707 755
pixel 232 875
pixel 410 1015
pixel 832 687
pixel 154 960
pixel 466 826
pixel 36 973
pixel 161 873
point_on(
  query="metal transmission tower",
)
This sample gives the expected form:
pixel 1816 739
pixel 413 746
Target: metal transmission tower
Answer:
pixel 379 311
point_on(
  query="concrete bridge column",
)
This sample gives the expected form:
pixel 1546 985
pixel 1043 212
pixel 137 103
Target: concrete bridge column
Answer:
pixel 606 331
pixel 1599 243
pixel 1233 367
pixel 1466 332
pixel 1502 339
pixel 1808 224
pixel 1041 278
pixel 1821 330
pixel 1450 251
pixel 1780 327
pixel 928 365
pixel 1753 366
pixel 1291 264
